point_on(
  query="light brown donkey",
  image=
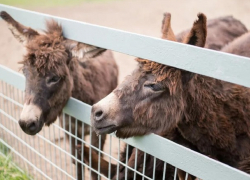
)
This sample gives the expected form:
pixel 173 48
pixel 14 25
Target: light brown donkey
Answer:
pixel 57 68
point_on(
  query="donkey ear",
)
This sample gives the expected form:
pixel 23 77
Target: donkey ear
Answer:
pixel 198 33
pixel 197 37
pixel 53 28
pixel 21 33
pixel 167 32
pixel 81 50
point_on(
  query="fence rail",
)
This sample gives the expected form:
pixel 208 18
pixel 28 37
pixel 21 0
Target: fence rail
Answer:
pixel 219 65
pixel 227 67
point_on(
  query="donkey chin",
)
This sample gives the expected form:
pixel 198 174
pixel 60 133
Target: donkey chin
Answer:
pixel 104 127
pixel 31 119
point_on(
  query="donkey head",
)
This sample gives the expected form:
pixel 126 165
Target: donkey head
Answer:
pixel 150 100
pixel 47 66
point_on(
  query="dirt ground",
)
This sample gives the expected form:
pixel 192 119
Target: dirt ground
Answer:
pixel 137 16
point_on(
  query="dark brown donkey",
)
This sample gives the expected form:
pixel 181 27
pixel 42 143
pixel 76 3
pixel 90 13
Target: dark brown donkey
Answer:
pixel 239 46
pixel 207 115
pixel 220 31
pixel 57 68
pixel 217 31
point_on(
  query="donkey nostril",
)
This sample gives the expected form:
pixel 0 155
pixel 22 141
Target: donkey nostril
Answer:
pixel 98 115
pixel 32 126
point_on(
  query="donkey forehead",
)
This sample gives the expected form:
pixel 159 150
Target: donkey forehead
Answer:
pixel 45 54
pixel 32 72
pixel 45 40
pixel 134 82
pixel 44 64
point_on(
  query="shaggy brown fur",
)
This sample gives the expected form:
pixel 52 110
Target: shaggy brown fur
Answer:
pixel 57 68
pixel 205 114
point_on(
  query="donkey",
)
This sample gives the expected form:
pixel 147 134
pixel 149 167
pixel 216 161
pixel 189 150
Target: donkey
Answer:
pixel 57 68
pixel 215 27
pixel 104 168
pixel 207 115
pixel 239 46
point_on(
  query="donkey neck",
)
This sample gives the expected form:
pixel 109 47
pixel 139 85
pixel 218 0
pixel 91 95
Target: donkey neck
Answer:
pixel 210 109
pixel 82 86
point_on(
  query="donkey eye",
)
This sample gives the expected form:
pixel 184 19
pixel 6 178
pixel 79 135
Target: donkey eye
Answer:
pixel 154 86
pixel 53 80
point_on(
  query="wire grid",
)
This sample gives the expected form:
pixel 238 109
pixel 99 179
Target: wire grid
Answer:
pixel 48 154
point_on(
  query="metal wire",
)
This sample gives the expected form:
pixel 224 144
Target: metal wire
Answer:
pixel 48 155
pixel 51 144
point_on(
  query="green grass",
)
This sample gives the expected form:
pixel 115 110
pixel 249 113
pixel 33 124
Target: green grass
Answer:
pixel 45 3
pixel 8 171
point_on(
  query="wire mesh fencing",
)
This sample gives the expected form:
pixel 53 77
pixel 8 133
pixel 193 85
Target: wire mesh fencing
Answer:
pixel 64 150
pixel 39 155
pixel 48 155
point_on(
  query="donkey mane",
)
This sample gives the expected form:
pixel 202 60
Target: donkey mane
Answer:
pixel 53 28
pixel 46 52
pixel 167 73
